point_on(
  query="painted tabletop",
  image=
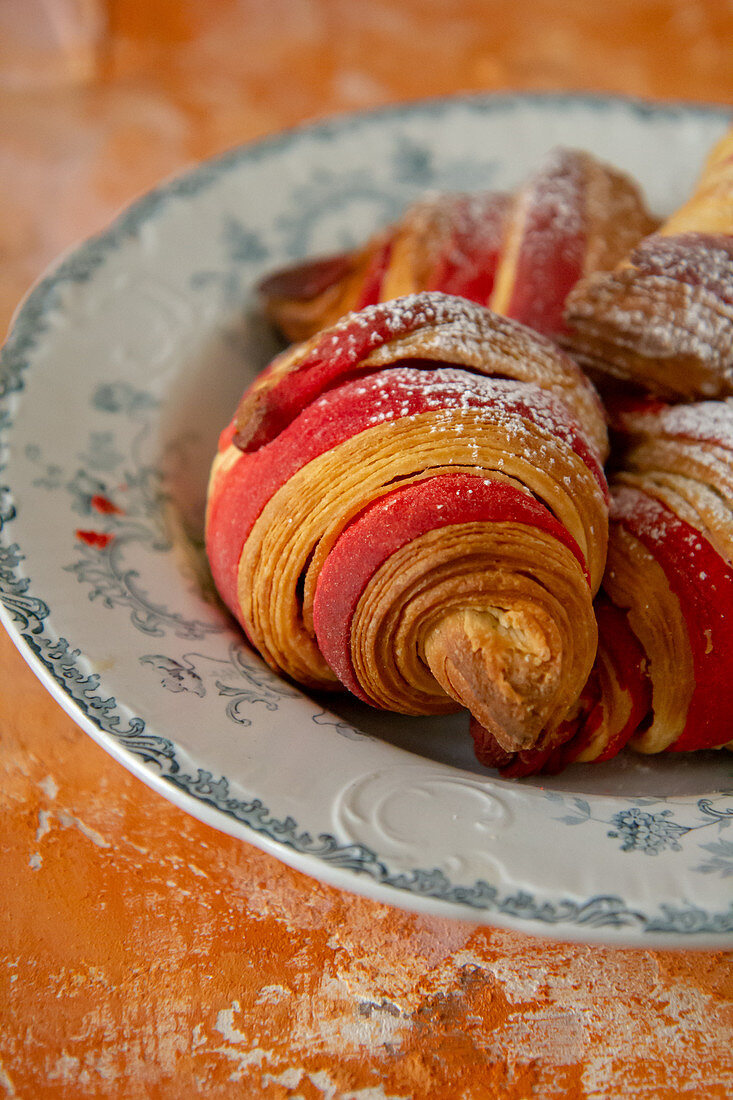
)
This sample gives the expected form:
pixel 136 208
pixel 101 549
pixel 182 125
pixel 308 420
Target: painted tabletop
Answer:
pixel 142 953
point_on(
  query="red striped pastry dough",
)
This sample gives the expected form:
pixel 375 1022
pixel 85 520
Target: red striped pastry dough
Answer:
pixel 663 678
pixel 412 505
pixel 519 254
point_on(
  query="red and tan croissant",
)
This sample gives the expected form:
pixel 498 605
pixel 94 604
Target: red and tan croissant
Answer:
pixel 518 254
pixel 412 505
pixel 663 319
pixel 663 678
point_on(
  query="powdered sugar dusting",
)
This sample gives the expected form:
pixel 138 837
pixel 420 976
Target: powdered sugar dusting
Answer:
pixel 682 456
pixel 434 328
pixel 552 200
pixel 467 335
pixel 646 516
pixel 403 390
pixel 665 318
pixel 705 421
pixel 459 233
pixel 698 259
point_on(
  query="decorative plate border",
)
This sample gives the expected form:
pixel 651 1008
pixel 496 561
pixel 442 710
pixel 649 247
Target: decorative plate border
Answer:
pixel 605 917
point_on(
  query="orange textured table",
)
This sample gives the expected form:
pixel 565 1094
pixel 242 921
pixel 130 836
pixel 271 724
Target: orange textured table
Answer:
pixel 142 953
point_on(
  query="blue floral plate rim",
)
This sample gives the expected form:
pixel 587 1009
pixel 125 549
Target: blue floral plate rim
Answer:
pixel 639 826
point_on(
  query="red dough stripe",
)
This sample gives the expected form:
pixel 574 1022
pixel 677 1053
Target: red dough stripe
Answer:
pixel 629 661
pixel 339 352
pixel 624 651
pixel 338 355
pixel 345 411
pixel 307 280
pixel 703 583
pixel 374 276
pixel 470 257
pixel 392 522
pixel 553 244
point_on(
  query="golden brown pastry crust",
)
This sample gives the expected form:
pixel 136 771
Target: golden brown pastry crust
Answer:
pixel 519 254
pixel 399 506
pixel 663 675
pixel 663 318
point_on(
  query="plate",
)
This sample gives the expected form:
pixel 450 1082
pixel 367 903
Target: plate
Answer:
pixel 123 365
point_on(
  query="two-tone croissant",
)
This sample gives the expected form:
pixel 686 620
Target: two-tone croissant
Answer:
pixel 519 254
pixel 663 677
pixel 412 505
pixel 662 321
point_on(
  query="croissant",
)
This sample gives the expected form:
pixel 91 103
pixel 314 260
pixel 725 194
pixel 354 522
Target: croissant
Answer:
pixel 518 254
pixel 663 676
pixel 662 320
pixel 412 505
pixel 447 243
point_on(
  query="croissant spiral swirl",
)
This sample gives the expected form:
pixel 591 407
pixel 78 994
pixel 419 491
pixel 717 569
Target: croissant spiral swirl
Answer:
pixel 408 505
pixel 663 677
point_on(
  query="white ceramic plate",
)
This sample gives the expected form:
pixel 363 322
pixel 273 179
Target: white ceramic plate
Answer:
pixel 123 365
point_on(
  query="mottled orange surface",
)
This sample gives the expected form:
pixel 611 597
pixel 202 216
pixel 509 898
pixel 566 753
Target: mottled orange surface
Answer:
pixel 142 954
